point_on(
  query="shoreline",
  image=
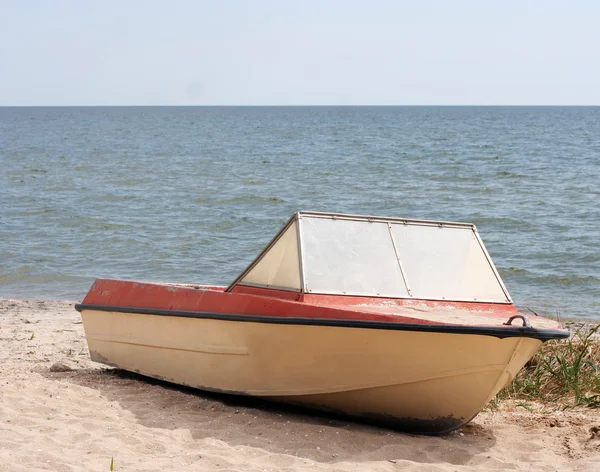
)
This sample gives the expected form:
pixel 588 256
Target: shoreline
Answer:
pixel 83 418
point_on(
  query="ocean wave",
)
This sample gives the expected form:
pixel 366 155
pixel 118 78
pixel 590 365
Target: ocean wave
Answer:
pixel 507 222
pixel 510 175
pixel 514 271
pixel 115 198
pixel 568 279
pixel 244 199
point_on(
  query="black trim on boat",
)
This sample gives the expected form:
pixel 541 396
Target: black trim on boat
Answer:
pixel 498 332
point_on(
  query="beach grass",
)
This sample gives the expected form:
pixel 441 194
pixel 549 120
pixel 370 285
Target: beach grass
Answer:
pixel 562 373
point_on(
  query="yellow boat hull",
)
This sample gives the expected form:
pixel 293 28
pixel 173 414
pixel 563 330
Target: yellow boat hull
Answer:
pixel 428 382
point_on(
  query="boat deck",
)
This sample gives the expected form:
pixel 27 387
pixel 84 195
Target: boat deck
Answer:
pixel 281 304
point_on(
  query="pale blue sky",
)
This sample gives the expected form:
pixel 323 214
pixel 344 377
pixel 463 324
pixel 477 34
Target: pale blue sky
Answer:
pixel 305 52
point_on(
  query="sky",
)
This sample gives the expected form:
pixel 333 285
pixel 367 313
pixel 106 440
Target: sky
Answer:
pixel 302 52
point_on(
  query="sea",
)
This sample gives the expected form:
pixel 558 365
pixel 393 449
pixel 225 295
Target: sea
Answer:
pixel 192 194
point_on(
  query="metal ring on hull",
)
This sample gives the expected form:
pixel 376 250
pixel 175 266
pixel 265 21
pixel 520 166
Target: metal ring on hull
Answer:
pixel 524 318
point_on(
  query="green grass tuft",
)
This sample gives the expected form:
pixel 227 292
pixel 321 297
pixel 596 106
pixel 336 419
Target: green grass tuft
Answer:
pixel 565 373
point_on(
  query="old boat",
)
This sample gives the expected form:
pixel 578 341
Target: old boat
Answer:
pixel 399 321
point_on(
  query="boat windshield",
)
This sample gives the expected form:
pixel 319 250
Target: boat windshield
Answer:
pixel 377 257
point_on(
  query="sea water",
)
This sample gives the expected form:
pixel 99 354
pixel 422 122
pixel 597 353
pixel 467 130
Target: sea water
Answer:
pixel 192 194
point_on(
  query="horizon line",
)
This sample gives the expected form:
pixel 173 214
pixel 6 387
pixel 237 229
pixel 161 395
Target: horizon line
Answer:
pixel 285 106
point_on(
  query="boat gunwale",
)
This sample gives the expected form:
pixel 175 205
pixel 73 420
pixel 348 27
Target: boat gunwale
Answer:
pixel 494 331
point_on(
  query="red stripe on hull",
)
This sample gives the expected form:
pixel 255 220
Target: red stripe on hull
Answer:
pixel 269 302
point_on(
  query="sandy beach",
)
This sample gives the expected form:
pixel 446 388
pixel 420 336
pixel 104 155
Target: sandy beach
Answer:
pixel 82 418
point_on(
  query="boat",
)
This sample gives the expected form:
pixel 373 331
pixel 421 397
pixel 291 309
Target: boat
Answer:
pixel 395 321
